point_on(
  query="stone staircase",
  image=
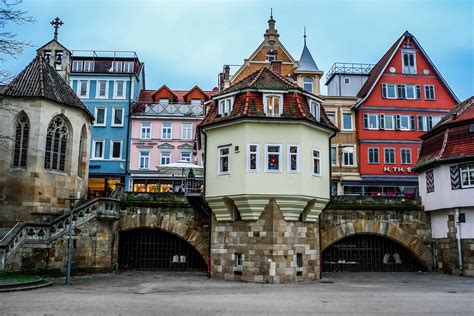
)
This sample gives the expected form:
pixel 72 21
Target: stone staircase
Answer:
pixel 38 233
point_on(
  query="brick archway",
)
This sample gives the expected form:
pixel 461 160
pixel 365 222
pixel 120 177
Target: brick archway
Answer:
pixel 413 243
pixel 170 224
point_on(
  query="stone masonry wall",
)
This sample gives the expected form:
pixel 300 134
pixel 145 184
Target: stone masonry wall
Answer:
pixel 269 248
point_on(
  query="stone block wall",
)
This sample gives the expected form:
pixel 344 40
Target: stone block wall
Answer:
pixel 269 248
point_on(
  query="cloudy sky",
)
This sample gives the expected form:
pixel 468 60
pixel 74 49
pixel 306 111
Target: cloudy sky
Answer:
pixel 184 43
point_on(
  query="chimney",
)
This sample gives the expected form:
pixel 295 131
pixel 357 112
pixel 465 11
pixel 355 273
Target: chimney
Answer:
pixel 226 72
pixel 276 66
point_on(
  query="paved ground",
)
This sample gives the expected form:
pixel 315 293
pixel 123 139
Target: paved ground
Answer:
pixel 191 294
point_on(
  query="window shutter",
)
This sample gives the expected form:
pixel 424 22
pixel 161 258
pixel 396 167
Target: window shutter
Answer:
pixel 455 177
pixel 397 122
pixel 400 93
pixel 384 90
pixel 366 121
pixel 418 92
pixel 412 123
pixel 382 121
pixel 420 123
pixel 429 123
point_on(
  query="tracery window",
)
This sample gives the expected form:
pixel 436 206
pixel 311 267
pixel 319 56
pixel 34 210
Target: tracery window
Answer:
pixel 56 144
pixel 22 130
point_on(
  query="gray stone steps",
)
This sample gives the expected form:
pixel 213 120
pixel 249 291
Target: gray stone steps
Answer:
pixel 22 286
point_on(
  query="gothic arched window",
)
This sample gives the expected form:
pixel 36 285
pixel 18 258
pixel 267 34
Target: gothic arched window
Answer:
pixel 22 129
pixel 56 144
pixel 82 153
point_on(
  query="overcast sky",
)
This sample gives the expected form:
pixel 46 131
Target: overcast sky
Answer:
pixel 184 43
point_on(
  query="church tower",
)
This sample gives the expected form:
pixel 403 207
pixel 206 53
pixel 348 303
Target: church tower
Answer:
pixel 56 54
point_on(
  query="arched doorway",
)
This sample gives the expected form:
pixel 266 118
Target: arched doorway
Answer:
pixel 369 253
pixel 155 249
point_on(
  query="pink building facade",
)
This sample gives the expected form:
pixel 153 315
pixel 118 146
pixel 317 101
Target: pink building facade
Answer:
pixel 163 130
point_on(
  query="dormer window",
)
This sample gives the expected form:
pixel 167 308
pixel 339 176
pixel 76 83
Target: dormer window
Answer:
pixel 408 62
pixel 273 104
pixel 315 110
pixel 271 55
pixel 225 106
pixel 164 101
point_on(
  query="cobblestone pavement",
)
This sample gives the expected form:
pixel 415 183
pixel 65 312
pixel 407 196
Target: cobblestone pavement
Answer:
pixel 133 293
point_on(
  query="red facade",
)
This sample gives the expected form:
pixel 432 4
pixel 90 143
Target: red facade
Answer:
pixel 403 98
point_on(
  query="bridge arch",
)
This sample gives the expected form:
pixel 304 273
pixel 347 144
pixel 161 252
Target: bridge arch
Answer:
pixel 413 243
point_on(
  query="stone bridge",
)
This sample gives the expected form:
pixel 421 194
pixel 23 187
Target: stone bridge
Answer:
pixel 398 219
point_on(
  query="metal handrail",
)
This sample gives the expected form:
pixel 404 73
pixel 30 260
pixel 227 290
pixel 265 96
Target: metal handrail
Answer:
pixel 349 68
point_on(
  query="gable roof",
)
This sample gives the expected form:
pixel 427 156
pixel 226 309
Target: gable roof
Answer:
pixel 306 62
pixel 40 80
pixel 53 41
pixel 206 95
pixel 382 64
pixel 164 87
pixel 145 96
pixel 450 140
pixel 248 105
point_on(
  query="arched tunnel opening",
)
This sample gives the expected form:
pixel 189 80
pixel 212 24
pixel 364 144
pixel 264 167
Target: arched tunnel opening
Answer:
pixel 369 253
pixel 154 249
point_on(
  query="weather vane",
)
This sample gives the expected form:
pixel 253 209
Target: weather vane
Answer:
pixel 56 23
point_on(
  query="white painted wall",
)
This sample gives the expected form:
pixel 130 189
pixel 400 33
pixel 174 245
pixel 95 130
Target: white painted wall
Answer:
pixel 439 223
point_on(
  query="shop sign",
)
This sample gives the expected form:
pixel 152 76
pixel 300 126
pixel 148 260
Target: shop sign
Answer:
pixel 397 170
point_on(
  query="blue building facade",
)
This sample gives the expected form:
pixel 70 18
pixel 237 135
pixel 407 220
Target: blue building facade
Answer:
pixel 108 83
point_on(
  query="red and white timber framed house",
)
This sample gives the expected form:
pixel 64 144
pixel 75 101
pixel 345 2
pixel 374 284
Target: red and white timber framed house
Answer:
pixel 404 96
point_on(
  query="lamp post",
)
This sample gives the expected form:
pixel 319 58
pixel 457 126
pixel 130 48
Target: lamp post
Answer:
pixel 71 199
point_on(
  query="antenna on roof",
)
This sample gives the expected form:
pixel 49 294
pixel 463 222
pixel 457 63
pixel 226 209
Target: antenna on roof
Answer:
pixel 271 13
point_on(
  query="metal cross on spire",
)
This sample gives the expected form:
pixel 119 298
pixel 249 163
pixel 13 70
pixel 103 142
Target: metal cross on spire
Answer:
pixel 56 23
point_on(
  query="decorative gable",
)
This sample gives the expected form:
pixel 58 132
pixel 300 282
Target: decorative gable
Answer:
pixel 166 146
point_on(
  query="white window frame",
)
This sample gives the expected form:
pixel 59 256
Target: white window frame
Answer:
pixel 117 66
pixel 97 90
pixel 401 156
pixel 393 122
pixel 105 116
pixel 164 101
pixel 267 153
pixel 413 89
pixel 141 130
pixel 394 156
pixel 196 101
pixel 344 148
pixel 88 66
pixel 427 87
pixel 288 158
pixel 225 106
pixel 409 122
pixel 378 155
pixel 466 169
pixel 305 83
pixel 126 65
pixel 342 121
pixel 336 163
pixel 229 161
pixel 385 87
pixel 190 125
pixel 113 116
pixel 77 62
pixel 280 106
pixel 86 96
pixel 313 159
pixel 376 121
pixel 94 142
pixel 334 115
pixel 145 158
pixel 116 89
pixel 257 157
pixel 111 151
pixel 186 152
pixel 170 130
pixel 315 109
pixel 409 71
pixel 164 153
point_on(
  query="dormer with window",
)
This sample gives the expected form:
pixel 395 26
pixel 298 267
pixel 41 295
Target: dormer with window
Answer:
pixel 271 55
pixel 315 109
pixel 225 106
pixel 273 104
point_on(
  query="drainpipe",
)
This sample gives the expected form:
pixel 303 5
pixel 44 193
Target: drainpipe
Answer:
pixel 129 119
pixel 210 210
pixel 458 238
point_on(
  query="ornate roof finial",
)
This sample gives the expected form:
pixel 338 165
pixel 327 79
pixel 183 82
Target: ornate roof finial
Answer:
pixel 271 13
pixel 304 35
pixel 56 23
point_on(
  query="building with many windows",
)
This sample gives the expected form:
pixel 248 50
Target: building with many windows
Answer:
pixel 403 97
pixel 267 178
pixel 108 83
pixel 162 132
pixel 446 178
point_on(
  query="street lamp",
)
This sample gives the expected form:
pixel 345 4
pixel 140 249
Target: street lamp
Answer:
pixel 71 199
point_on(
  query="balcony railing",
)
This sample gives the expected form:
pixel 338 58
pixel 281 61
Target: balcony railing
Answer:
pixel 349 69
pixel 172 109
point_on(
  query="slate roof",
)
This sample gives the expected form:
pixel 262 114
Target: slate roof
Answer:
pixel 382 64
pixel 250 105
pixel 450 140
pixel 40 80
pixel 306 62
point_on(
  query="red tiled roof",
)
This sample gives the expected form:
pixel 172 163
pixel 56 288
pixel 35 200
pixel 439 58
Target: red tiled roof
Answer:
pixel 39 79
pixel 145 96
pixel 450 139
pixel 248 103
